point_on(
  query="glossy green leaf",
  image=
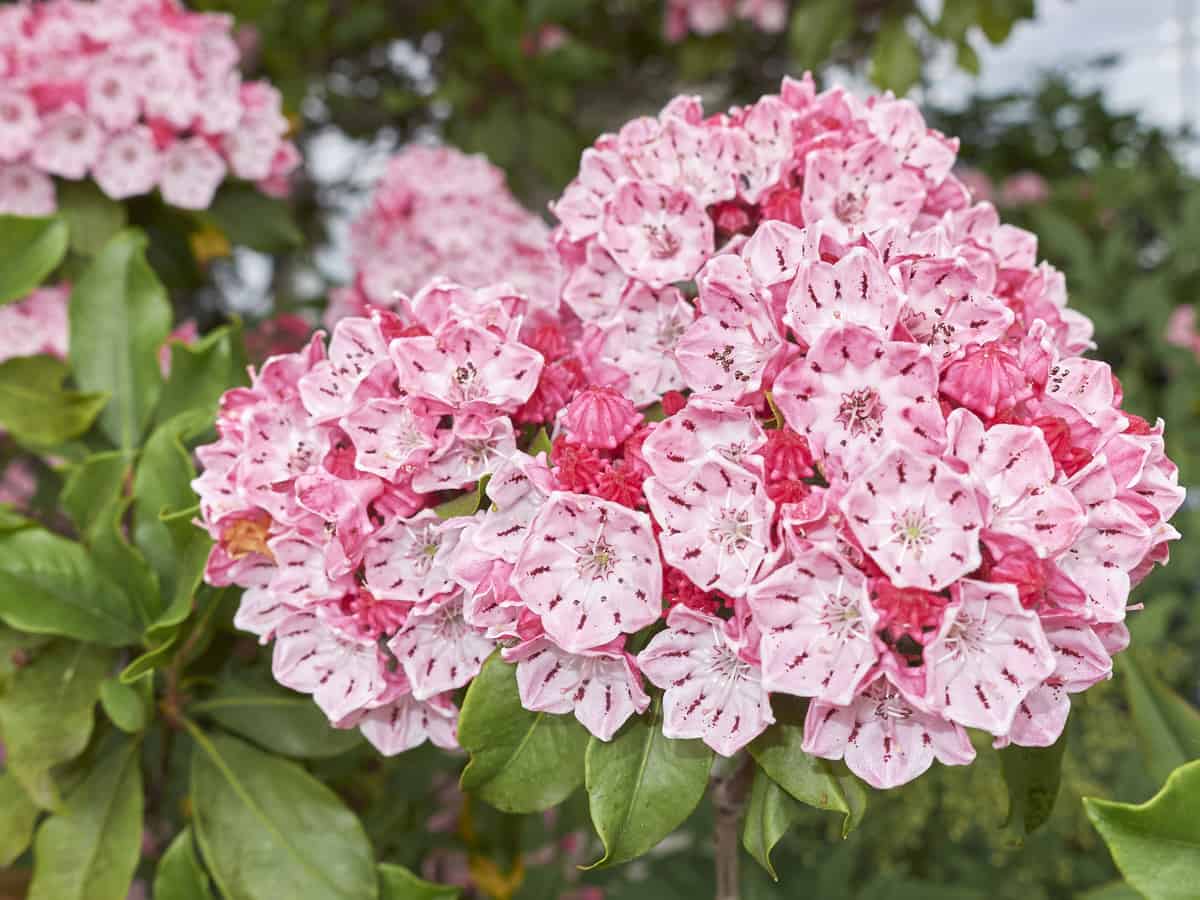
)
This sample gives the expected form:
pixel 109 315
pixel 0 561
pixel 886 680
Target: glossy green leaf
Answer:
pixel 179 875
pixel 465 504
pixel 817 26
pixel 35 407
pixel 521 761
pixel 162 483
pixel 397 883
pixel 1156 845
pixel 201 372
pixel 269 829
pixel 123 705
pixel 1032 775
pixel 93 485
pixel 90 850
pixel 46 712
pixel 779 752
pixel 122 562
pixel 18 814
pixel 770 812
pixel 1167 727
pixel 30 249
pixel 896 60
pixel 541 443
pixel 250 218
pixel 1114 890
pixel 276 719
pixel 642 785
pixel 49 585
pixel 119 318
pixel 92 217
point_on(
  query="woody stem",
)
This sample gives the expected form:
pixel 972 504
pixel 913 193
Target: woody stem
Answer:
pixel 729 799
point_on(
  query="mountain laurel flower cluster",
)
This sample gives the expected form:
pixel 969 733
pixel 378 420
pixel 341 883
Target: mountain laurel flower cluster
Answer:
pixel 706 17
pixel 136 95
pixel 807 422
pixel 438 211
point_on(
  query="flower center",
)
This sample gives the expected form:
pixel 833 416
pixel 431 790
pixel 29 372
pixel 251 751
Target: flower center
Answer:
pixel 597 560
pixel 914 529
pixel 663 242
pixel 245 536
pixel 850 207
pixel 727 664
pixel 842 617
pixel 861 411
pixel 732 529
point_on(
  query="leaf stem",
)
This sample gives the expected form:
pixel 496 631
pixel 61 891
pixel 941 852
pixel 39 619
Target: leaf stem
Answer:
pixel 730 792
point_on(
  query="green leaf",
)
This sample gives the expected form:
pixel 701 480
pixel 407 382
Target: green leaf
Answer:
pixel 18 814
pixel 30 249
pixel 269 829
pixel 119 318
pixel 252 219
pixel 400 884
pixel 46 712
pixel 90 850
pixel 1167 728
pixel 36 408
pixel 521 761
pixel 179 875
pixel 49 585
pixel 779 752
pixel 92 218
pixel 541 443
pixel 1032 775
pixel 466 504
pixel 201 372
pixel 1114 890
pixel 817 27
pixel 276 719
pixel 162 483
pixel 997 17
pixel 642 785
pixel 123 705
pixel 92 486
pixel 896 61
pixel 769 814
pixel 1156 845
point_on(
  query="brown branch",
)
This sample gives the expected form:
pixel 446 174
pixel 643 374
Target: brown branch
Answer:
pixel 729 800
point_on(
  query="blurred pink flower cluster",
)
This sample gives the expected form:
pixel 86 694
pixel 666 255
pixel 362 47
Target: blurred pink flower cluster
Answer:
pixel 705 17
pixel 439 211
pixel 804 400
pixel 1181 329
pixel 136 94
pixel 36 324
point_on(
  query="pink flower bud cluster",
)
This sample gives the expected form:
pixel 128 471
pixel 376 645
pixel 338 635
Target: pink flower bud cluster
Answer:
pixel 440 212
pixel 853 455
pixel 136 94
pixel 705 17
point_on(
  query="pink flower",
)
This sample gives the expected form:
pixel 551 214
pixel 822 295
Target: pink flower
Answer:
pixel 340 669
pixel 711 691
pixel 917 519
pixel 129 164
pixel 406 722
pixel 18 124
pixel 600 687
pixel 24 191
pixel 656 234
pixel 439 650
pixel 988 655
pixel 817 627
pixel 68 144
pixel 409 560
pixel 856 290
pixel 715 525
pixel 854 393
pixel 36 324
pixel 859 190
pixel 1024 189
pixel 589 569
pixel 884 738
pixel 191 173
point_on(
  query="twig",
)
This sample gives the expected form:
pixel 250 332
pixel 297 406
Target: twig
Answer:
pixel 729 799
